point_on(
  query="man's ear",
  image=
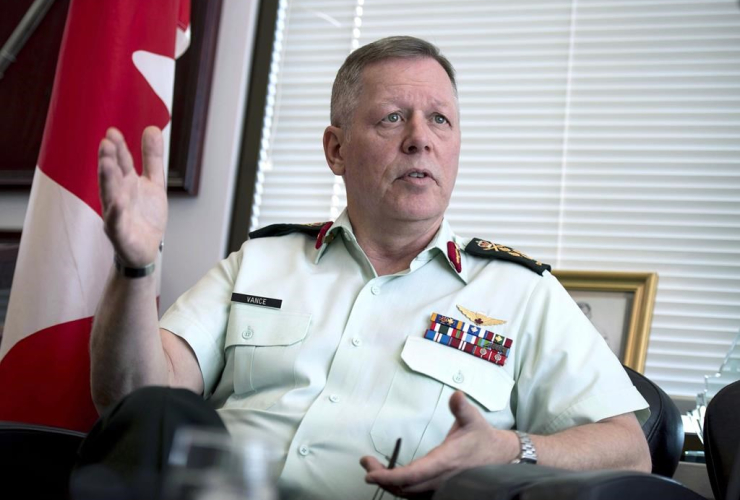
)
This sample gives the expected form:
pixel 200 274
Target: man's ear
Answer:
pixel 333 140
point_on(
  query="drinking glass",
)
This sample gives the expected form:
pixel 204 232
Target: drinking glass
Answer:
pixel 207 465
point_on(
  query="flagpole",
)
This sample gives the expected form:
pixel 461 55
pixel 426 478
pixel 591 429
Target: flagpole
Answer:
pixel 22 33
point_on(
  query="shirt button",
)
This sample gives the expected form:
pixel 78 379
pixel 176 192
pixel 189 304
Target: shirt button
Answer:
pixel 334 398
pixel 458 378
pixel 375 290
pixel 303 450
pixel 248 333
pixel 356 342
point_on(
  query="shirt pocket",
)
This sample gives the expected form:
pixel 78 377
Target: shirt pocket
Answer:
pixel 266 343
pixel 416 406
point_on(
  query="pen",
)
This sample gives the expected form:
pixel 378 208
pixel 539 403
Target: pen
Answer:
pixel 391 464
pixel 394 457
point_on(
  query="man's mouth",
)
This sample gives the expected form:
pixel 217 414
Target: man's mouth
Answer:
pixel 419 174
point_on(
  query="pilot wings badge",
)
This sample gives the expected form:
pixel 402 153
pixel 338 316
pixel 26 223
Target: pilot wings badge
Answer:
pixel 480 319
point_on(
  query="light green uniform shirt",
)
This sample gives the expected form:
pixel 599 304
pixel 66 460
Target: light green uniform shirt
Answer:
pixel 342 369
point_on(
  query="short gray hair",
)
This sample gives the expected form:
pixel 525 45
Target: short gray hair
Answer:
pixel 348 83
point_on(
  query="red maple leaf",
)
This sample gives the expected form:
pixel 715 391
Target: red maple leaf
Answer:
pixel 97 86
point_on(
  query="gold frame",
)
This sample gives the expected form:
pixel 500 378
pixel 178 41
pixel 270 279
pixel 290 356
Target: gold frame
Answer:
pixel 643 285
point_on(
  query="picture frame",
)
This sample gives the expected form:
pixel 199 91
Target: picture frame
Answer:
pixel 620 305
pixel 32 76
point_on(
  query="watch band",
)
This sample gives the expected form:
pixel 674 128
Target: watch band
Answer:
pixel 527 453
pixel 132 272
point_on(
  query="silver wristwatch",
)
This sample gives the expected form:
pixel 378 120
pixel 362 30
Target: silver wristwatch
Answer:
pixel 527 453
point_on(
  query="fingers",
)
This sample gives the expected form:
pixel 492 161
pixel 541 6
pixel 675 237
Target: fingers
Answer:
pixel 408 481
pixel 413 477
pixel 109 172
pixel 152 154
pixel 371 464
pixel 464 413
pixel 123 155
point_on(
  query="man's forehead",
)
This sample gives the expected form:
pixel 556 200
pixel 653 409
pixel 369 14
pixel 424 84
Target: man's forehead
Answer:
pixel 391 98
pixel 405 68
pixel 394 79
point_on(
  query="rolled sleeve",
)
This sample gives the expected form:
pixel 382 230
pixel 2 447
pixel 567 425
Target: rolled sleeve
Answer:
pixel 601 406
pixel 200 317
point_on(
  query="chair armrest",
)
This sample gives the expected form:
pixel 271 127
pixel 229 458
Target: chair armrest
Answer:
pixel 525 482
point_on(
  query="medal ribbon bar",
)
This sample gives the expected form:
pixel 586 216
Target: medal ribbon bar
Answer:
pixel 471 330
pixel 490 355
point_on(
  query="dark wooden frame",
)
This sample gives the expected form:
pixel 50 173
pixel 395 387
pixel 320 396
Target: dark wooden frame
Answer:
pixel 241 211
pixel 193 78
pixel 192 91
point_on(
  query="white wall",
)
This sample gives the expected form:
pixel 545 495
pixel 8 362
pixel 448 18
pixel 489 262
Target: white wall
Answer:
pixel 197 231
pixel 198 226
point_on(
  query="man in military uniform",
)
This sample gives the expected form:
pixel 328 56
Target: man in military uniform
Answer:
pixel 335 339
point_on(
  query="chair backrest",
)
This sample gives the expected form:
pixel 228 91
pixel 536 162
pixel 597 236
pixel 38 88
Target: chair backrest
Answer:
pixel 663 429
pixel 722 442
pixel 37 460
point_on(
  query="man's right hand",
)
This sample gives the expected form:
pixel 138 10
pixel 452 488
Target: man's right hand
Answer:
pixel 134 207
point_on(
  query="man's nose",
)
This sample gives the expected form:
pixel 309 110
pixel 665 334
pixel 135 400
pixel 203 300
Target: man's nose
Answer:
pixel 417 135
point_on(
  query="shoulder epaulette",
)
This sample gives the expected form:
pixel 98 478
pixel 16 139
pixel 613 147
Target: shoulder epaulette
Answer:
pixel 312 229
pixel 486 249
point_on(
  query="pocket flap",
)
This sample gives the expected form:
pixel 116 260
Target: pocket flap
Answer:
pixel 487 383
pixel 259 326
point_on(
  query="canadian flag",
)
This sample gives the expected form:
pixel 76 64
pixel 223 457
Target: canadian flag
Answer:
pixel 116 68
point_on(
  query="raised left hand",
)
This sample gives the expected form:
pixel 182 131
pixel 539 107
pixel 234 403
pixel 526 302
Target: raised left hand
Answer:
pixel 471 442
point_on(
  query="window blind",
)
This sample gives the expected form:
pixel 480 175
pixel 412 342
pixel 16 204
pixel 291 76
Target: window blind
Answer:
pixel 600 135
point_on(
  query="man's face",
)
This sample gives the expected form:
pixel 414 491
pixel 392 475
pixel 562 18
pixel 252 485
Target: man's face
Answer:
pixel 401 157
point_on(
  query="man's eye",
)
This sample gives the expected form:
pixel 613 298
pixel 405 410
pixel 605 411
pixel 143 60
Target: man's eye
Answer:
pixel 393 117
pixel 440 120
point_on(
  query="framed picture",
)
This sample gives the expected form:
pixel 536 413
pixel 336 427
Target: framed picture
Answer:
pixel 620 306
pixel 26 87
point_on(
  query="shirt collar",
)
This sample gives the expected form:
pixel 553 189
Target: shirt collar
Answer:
pixel 340 225
pixel 447 243
pixel 439 244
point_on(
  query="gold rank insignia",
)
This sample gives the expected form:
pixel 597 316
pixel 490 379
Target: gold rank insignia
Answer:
pixel 489 250
pixel 480 319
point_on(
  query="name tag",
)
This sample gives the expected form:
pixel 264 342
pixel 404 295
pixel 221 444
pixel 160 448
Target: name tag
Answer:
pixel 256 301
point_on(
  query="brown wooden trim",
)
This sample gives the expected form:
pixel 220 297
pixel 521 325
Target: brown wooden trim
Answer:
pixel 15 180
pixel 193 78
pixel 252 132
pixel 10 236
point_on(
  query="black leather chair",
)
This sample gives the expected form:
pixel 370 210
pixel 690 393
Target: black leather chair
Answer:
pixel 722 442
pixel 663 429
pixel 37 457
